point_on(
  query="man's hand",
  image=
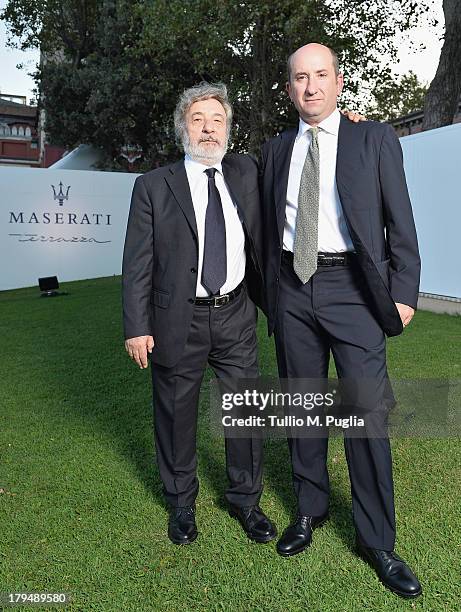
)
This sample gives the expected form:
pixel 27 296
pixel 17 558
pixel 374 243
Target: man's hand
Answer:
pixel 353 116
pixel 137 349
pixel 406 313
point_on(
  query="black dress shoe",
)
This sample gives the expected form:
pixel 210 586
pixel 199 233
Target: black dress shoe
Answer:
pixel 255 523
pixel 393 572
pixel 298 536
pixel 181 526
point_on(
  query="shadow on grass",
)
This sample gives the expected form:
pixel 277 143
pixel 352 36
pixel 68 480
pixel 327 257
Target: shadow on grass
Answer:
pixel 341 515
pixel 77 367
pixel 278 477
pixel 84 375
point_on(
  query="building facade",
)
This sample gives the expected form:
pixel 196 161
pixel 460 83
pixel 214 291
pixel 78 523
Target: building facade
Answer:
pixel 412 123
pixel 20 135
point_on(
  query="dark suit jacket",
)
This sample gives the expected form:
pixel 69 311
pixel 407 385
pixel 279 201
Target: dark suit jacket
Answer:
pixel 374 197
pixel 160 259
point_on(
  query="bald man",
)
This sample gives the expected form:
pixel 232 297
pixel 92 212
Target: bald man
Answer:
pixel 342 272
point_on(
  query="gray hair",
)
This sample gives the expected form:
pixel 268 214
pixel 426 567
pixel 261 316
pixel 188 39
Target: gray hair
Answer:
pixel 202 91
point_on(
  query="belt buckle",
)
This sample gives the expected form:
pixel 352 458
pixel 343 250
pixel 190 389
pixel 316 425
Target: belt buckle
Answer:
pixel 324 260
pixel 221 300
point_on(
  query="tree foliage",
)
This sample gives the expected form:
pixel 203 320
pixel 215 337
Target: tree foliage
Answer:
pixel 401 96
pixel 114 68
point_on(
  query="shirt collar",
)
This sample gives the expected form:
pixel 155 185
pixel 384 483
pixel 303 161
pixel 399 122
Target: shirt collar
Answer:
pixel 195 168
pixel 330 124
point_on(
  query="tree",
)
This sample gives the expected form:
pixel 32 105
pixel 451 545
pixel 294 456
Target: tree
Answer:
pixel 394 99
pixel 246 44
pixel 54 25
pixel 445 90
pixel 114 68
pixel 97 84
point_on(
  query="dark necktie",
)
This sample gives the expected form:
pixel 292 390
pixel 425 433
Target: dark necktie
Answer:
pixel 214 268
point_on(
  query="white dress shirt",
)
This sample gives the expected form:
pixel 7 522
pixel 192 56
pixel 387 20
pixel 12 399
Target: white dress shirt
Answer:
pixel 235 237
pixel 333 233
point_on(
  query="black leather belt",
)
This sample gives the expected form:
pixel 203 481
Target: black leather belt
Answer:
pixel 324 259
pixel 219 300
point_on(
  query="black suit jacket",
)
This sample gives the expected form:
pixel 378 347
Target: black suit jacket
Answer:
pixel 160 259
pixel 377 209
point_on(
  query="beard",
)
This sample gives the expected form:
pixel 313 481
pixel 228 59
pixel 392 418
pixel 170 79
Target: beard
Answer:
pixel 201 152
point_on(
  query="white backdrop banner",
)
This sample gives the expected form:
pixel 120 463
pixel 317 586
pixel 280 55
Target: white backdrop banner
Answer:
pixel 433 169
pixel 71 223
pixel 65 223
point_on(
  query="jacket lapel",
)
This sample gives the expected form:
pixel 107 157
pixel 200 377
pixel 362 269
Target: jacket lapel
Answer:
pixel 348 162
pixel 346 158
pixel 282 160
pixel 179 186
pixel 233 180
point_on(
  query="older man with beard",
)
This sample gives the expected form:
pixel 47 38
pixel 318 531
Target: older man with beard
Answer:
pixel 191 278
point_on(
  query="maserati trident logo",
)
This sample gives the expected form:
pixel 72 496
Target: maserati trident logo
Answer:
pixel 61 196
pixel 73 219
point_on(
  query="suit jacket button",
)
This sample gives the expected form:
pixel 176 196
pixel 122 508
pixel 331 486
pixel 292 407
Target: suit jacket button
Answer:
pixel 191 300
pixel 193 270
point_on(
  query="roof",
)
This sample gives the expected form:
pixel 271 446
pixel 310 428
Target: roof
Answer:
pixel 414 117
pixel 14 108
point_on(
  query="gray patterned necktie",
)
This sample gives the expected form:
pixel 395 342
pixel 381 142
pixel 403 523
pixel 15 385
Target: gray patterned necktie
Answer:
pixel 307 218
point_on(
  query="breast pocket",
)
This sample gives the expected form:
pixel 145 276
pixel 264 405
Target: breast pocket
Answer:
pixel 160 298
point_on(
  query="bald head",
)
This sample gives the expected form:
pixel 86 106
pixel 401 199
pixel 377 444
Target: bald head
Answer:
pixel 313 47
pixel 314 82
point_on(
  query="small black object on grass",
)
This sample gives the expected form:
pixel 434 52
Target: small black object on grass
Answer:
pixel 48 286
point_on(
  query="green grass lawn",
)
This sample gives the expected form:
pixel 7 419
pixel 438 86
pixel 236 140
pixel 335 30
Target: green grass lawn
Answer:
pixel 81 509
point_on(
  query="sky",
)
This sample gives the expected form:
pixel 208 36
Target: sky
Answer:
pixel 422 62
pixel 14 81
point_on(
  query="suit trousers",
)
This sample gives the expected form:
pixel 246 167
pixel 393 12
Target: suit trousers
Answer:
pixel 224 338
pixel 330 314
